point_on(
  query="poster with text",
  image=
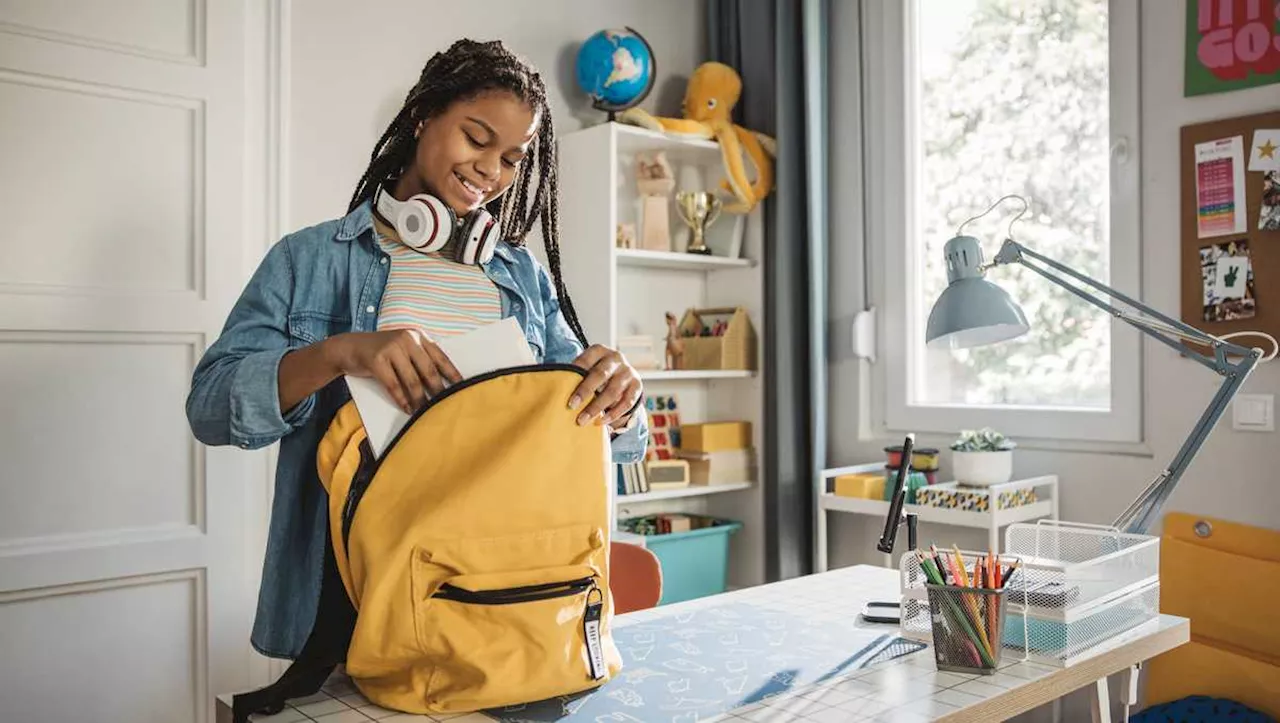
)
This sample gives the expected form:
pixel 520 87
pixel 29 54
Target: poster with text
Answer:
pixel 1220 206
pixel 1231 44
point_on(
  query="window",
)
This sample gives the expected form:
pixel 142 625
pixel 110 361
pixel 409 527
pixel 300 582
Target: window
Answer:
pixel 979 99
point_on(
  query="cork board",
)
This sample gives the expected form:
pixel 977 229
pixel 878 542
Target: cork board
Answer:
pixel 1208 206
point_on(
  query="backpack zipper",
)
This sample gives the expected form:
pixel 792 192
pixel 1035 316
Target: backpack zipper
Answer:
pixel 591 611
pixel 513 595
pixel 369 466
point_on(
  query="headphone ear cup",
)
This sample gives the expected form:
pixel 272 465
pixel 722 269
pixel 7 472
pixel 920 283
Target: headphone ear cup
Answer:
pixel 425 223
pixel 479 238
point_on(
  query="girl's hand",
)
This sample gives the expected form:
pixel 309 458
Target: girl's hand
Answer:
pixel 405 361
pixel 614 383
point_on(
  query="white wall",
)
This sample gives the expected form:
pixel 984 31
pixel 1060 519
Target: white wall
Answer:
pixel 353 63
pixel 1236 474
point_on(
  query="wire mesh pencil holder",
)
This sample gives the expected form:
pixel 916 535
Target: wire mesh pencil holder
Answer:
pixel 968 625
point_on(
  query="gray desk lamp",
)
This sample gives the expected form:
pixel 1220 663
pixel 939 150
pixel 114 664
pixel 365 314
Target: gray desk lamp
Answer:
pixel 973 312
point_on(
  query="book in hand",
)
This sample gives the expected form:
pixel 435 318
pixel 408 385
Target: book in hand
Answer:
pixel 499 345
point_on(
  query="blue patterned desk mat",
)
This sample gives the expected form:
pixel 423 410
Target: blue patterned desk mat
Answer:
pixel 695 665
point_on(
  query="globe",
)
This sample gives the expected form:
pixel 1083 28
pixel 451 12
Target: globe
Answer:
pixel 615 67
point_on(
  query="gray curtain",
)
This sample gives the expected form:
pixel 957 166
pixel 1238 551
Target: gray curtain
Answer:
pixel 779 49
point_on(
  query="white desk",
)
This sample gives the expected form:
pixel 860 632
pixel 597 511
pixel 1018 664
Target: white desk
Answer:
pixel 992 520
pixel 903 690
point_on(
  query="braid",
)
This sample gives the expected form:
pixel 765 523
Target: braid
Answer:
pixel 465 70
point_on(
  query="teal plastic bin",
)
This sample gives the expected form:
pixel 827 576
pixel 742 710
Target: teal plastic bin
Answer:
pixel 694 563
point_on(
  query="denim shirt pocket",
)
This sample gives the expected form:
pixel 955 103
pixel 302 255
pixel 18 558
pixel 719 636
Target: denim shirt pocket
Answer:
pixel 309 327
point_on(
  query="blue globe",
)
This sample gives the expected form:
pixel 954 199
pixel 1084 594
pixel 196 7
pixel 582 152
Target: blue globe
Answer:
pixel 615 68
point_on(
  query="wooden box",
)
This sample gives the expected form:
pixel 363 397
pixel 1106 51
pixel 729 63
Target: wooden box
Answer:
pixel 718 338
pixel 727 466
pixel 715 436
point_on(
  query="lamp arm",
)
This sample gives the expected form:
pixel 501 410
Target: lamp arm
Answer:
pixel 1143 511
pixel 1166 333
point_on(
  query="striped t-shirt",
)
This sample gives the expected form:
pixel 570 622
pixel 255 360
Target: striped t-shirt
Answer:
pixel 433 292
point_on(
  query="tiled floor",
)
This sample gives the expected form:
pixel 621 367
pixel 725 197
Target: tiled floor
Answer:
pixel 904 690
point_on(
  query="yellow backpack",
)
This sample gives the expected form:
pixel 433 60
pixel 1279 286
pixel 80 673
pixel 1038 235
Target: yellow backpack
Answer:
pixel 468 568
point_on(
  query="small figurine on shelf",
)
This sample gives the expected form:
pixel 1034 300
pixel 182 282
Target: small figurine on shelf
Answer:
pixel 626 236
pixel 654 180
pixel 675 347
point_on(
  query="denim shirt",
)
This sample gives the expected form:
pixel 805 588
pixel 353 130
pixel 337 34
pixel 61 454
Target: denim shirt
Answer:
pixel 321 281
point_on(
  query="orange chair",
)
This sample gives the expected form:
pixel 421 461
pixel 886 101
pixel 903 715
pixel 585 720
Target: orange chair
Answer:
pixel 635 577
pixel 1225 577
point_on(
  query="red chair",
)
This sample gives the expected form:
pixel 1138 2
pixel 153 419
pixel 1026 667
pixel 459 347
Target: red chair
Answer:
pixel 635 577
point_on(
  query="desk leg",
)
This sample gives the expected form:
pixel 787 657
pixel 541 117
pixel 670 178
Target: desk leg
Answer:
pixel 1101 702
pixel 993 539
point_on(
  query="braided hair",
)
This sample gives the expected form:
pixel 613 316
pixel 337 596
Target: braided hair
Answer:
pixel 464 71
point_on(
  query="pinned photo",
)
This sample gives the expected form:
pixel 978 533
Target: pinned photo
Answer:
pixel 1227 275
pixel 1269 209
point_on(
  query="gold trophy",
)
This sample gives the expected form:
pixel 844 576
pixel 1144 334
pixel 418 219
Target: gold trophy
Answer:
pixel 698 209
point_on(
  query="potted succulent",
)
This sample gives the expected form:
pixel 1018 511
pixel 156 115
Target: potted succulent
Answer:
pixel 981 458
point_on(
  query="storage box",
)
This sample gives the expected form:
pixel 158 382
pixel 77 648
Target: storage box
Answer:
pixel 733 347
pixel 694 563
pixel 667 474
pixel 715 436
pixel 1076 586
pixel 867 486
pixel 723 467
pixel 953 496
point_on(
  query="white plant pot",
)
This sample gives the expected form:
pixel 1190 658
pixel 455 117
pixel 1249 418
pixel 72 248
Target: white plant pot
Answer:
pixel 982 469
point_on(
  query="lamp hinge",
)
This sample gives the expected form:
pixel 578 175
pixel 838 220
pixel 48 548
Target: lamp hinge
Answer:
pixel 864 335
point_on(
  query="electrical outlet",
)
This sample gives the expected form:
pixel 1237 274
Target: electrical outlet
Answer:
pixel 1253 412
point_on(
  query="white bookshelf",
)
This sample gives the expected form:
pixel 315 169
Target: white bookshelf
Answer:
pixel 625 292
pixel 677 260
pixel 691 375
pixel 690 491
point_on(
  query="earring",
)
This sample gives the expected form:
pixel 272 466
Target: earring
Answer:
pixel 417 131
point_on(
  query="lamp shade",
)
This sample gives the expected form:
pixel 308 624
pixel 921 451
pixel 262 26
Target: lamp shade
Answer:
pixel 971 311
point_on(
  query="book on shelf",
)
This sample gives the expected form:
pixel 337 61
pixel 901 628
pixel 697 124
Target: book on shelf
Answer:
pixel 636 478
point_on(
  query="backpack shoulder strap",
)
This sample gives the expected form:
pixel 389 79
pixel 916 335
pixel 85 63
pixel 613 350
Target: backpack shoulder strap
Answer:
pixel 324 649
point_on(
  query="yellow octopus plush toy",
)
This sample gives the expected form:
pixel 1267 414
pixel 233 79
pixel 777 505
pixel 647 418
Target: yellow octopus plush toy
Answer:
pixel 709 99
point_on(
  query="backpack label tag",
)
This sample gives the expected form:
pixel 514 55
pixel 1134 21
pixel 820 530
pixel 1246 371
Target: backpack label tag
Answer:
pixel 591 627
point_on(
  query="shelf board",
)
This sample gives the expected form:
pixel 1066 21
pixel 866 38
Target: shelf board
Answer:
pixel 940 515
pixel 690 491
pixel 678 260
pixel 658 375
pixel 632 139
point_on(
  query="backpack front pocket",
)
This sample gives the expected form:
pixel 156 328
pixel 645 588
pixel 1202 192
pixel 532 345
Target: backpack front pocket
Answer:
pixel 535 631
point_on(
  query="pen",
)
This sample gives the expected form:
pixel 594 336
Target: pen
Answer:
pixel 937 560
pixel 1009 573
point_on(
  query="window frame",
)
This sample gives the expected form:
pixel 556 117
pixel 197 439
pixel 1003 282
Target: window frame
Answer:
pixel 889 72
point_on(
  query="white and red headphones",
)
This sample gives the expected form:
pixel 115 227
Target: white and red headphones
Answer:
pixel 426 224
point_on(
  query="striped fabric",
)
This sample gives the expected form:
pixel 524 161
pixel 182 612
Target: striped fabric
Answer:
pixel 434 293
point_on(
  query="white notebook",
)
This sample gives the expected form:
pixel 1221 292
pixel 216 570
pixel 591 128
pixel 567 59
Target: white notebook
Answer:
pixel 499 345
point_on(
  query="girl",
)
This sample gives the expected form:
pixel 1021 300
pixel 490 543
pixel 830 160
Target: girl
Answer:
pixel 348 296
